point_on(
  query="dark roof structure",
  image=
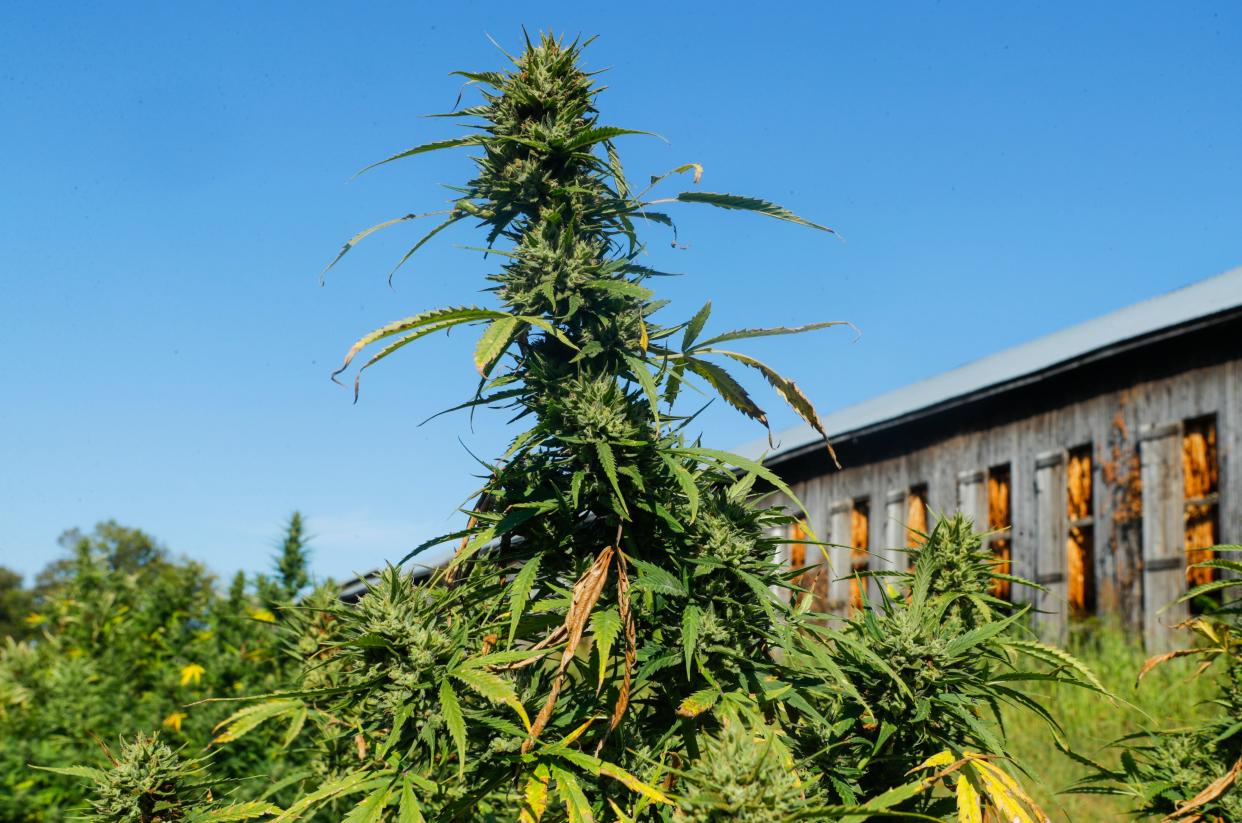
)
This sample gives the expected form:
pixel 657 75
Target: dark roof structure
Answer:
pixel 1207 302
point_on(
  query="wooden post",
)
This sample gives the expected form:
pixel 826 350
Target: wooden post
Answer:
pixel 838 556
pixel 1164 556
pixel 1050 536
pixel 890 556
pixel 972 497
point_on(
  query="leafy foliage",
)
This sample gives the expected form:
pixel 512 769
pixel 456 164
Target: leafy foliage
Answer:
pixel 1192 773
pixel 126 638
pixel 16 604
pixel 149 783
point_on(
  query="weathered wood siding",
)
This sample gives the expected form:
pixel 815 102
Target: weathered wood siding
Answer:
pixel 953 468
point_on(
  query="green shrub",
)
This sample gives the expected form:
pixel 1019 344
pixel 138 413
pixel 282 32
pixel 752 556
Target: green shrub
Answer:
pixel 1191 772
pixel 127 639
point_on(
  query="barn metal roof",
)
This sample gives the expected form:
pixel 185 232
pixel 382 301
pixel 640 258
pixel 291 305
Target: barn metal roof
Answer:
pixel 1168 313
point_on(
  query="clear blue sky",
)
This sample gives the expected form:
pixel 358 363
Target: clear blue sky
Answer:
pixel 175 176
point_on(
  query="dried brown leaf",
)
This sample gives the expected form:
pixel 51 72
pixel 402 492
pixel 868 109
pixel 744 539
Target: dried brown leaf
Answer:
pixel 586 594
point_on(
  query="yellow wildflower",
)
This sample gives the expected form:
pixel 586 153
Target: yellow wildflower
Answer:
pixel 173 721
pixel 34 619
pixel 192 673
pixel 262 615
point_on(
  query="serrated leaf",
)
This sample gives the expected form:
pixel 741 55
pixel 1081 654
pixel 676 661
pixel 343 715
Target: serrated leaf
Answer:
pixel 609 463
pixel 687 482
pixel 699 702
pixel 729 389
pixel 743 334
pixel 436 318
pixel 245 720
pixel 690 620
pixel 743 203
pixel 622 287
pixel 633 783
pixel 371 808
pixel 295 727
pixel 454 721
pixel 695 327
pixel 493 343
pixel 519 592
pixel 494 688
pixel 575 801
pixel 409 811
pixel 237 811
pixel 468 140
pixel 535 795
pixel 601 133
pixel 348 784
pixel 88 772
pixel 453 217
pixel 605 626
pixel 643 375
pixel 788 390
pixel 745 464
pixel 655 579
pixel 357 238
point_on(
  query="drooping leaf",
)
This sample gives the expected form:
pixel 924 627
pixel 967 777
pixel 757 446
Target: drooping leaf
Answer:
pixel 729 389
pixel 788 390
pixel 437 319
pixel 357 238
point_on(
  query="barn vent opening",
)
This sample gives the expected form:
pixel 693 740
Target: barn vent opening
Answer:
pixel 1000 523
pixel 916 515
pixel 1080 543
pixel 1201 512
pixel 860 557
pixel 810 579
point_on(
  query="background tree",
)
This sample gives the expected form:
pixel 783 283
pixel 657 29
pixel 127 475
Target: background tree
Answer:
pixel 125 640
pixel 16 604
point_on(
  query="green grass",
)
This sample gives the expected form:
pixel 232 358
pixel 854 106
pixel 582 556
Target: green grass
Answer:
pixel 1168 697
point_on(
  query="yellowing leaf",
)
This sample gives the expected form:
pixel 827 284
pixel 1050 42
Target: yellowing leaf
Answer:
pixel 262 615
pixel 699 702
pixel 1004 793
pixel 34 619
pixel 193 673
pixel 173 721
pixel 968 810
pixel 633 783
pixel 944 758
pixel 535 797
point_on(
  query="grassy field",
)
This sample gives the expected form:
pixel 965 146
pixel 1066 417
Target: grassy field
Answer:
pixel 1168 697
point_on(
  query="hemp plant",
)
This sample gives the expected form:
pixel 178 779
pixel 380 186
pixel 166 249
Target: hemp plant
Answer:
pixel 613 622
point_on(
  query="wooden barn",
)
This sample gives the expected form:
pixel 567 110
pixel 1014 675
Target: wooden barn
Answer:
pixel 1101 459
